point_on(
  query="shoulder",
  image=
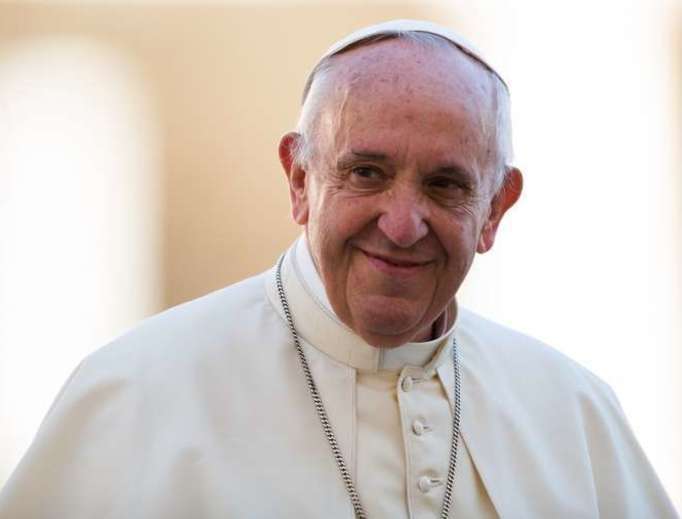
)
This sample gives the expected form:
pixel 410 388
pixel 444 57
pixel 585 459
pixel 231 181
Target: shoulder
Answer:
pixel 188 339
pixel 521 362
pixel 534 411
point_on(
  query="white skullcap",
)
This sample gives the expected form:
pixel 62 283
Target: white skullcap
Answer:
pixel 398 26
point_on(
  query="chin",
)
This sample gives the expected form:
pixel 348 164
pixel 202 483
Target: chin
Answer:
pixel 387 330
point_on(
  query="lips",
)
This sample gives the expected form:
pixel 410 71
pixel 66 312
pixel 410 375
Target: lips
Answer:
pixel 393 265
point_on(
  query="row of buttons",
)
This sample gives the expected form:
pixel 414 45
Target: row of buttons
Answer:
pixel 425 483
pixel 418 427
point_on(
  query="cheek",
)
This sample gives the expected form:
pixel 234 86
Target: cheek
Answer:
pixel 330 228
pixel 458 232
pixel 458 237
pixel 345 218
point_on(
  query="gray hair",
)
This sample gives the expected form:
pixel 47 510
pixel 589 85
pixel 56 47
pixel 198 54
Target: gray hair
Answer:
pixel 498 131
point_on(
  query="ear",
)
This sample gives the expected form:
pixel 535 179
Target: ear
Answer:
pixel 506 196
pixel 296 177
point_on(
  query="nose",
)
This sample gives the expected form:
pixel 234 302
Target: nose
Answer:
pixel 403 217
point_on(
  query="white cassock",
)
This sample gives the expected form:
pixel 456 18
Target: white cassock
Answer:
pixel 203 412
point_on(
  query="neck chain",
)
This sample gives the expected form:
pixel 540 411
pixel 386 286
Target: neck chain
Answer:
pixel 327 427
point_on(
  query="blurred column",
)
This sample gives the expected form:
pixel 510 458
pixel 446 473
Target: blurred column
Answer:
pixel 79 218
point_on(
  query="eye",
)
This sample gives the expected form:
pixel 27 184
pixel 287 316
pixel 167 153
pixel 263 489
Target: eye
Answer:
pixel 449 190
pixel 366 173
pixel 447 184
pixel 366 176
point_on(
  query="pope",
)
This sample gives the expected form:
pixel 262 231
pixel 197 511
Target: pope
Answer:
pixel 346 381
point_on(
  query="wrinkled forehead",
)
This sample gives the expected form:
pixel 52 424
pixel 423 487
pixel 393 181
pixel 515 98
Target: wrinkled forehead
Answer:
pixel 388 95
pixel 402 76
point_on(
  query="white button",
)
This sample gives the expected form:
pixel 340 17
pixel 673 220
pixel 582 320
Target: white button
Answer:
pixel 418 428
pixel 425 483
pixel 407 383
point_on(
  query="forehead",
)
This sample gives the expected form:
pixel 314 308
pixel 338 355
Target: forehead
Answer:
pixel 400 84
pixel 434 60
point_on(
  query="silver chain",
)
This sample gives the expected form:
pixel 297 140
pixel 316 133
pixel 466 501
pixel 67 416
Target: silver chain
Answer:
pixel 327 426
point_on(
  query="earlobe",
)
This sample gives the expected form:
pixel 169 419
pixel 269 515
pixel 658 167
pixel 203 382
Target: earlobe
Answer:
pixel 296 176
pixel 507 195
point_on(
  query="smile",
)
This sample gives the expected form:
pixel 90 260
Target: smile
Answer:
pixel 395 266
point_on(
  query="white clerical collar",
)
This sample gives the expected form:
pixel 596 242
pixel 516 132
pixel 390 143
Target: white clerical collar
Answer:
pixel 317 323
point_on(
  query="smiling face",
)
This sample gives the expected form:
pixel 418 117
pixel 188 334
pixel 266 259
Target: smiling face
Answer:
pixel 397 195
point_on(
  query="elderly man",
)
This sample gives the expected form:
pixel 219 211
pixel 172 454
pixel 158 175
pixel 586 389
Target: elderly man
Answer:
pixel 346 381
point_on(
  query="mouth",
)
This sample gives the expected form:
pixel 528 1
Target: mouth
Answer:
pixel 394 265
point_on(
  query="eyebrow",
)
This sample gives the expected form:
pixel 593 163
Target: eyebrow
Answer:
pixel 350 157
pixel 455 171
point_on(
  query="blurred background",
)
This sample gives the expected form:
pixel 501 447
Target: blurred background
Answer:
pixel 138 169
